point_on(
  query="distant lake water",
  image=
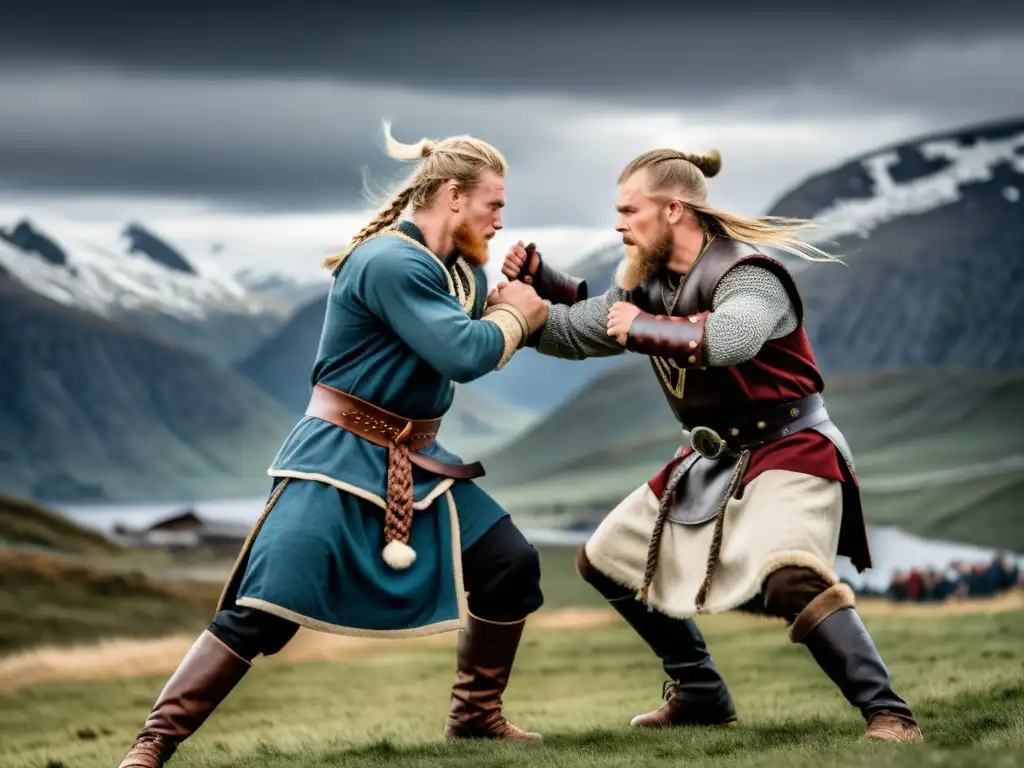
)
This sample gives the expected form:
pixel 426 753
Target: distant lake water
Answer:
pixel 891 548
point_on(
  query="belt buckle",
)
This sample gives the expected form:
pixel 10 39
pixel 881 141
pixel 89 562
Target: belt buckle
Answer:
pixel 707 442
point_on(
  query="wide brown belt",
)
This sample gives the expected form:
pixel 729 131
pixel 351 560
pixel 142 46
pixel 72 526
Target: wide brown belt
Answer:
pixel 402 437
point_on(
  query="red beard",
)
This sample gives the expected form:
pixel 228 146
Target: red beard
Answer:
pixel 472 247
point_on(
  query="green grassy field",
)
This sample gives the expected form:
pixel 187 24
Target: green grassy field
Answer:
pixel 579 687
pixel 25 523
pixel 580 676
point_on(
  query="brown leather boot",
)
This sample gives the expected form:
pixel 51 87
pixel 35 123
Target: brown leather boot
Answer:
pixel 890 726
pixel 680 710
pixel 207 674
pixel 485 654
pixel 833 632
pixel 696 693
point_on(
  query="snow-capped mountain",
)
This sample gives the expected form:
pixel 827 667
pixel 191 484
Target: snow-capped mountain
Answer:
pixel 133 269
pixel 136 275
pixel 95 409
pixel 911 179
pixel 933 232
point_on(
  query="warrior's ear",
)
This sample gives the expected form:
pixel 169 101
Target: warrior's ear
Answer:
pixel 453 193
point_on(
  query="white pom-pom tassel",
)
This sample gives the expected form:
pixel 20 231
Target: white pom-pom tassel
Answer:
pixel 399 555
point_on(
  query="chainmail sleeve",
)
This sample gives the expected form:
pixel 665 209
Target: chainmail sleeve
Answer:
pixel 750 307
pixel 580 330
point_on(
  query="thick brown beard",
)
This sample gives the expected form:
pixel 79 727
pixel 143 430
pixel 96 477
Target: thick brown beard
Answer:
pixel 472 247
pixel 641 264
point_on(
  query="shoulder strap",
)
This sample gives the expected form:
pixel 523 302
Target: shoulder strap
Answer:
pixel 700 284
pixel 698 288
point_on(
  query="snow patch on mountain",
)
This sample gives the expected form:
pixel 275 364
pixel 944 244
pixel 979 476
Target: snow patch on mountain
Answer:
pixel 965 164
pixel 104 275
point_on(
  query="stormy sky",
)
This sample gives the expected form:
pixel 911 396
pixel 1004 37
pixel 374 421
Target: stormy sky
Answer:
pixel 252 123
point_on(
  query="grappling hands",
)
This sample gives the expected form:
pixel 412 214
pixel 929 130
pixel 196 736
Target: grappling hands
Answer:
pixel 522 297
pixel 516 258
pixel 620 319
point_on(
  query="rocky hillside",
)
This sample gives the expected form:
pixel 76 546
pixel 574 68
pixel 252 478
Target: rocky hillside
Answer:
pixel 933 232
pixel 96 409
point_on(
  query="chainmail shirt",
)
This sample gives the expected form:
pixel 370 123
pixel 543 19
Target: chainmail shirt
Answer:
pixel 750 307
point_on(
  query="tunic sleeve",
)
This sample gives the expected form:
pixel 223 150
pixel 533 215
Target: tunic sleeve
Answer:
pixel 580 331
pixel 408 291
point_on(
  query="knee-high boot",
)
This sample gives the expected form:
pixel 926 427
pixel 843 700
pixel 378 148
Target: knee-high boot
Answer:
pixel 486 652
pixel 833 632
pixel 697 693
pixel 207 674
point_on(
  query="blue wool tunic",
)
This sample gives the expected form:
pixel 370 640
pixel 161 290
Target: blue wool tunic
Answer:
pixel 401 327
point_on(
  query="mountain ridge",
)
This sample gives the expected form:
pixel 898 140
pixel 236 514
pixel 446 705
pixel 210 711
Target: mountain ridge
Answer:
pixel 95 409
pixel 141 278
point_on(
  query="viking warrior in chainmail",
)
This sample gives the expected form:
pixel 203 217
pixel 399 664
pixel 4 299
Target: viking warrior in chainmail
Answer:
pixel 372 528
pixel 754 510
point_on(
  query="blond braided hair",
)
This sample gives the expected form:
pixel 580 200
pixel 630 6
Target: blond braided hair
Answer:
pixel 459 158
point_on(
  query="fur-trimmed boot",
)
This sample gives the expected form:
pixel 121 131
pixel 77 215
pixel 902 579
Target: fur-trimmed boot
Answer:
pixel 696 694
pixel 486 652
pixel 833 632
pixel 207 674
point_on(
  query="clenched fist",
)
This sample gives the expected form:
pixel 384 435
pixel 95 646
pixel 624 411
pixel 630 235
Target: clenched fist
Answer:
pixel 515 259
pixel 620 320
pixel 524 298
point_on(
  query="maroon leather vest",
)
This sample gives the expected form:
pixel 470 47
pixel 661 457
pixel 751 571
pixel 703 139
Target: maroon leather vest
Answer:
pixel 783 370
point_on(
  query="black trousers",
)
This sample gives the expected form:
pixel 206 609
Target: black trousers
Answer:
pixel 501 573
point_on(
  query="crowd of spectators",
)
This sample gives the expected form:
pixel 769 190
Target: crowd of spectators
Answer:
pixel 960 580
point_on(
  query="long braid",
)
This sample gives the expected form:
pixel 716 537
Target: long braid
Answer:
pixel 389 213
pixel 458 158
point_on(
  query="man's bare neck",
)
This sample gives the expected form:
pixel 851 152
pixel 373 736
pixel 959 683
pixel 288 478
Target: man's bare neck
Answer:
pixel 686 250
pixel 435 233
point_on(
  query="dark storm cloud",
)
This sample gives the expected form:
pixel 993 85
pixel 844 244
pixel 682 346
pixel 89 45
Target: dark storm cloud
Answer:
pixel 264 105
pixel 251 142
pixel 631 50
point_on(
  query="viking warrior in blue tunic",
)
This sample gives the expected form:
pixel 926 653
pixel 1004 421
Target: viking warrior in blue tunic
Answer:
pixel 372 528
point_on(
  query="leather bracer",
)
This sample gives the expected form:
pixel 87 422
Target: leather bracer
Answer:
pixel 552 284
pixel 680 339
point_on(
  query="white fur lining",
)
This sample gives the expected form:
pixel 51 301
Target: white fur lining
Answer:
pixel 784 518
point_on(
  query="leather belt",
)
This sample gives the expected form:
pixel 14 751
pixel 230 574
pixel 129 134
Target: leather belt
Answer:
pixel 402 437
pixel 712 440
pixel 385 429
